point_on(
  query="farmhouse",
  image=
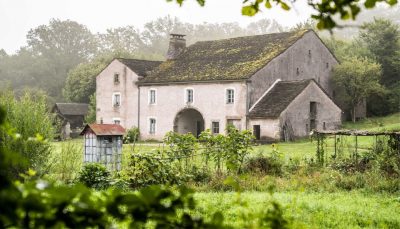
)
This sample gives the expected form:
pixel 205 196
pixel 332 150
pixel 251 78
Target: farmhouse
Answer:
pixel 277 85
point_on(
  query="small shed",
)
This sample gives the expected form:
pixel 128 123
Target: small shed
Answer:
pixel 72 117
pixel 103 144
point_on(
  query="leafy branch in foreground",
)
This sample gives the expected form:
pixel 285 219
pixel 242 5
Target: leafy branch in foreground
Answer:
pixel 326 9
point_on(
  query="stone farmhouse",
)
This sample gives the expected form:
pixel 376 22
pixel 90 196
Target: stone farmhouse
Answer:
pixel 277 85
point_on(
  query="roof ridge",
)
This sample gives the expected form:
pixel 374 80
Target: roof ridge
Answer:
pixel 122 58
pixel 256 35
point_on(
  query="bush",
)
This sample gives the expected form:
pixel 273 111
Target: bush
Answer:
pixel 94 175
pixel 32 125
pixel 199 175
pixel 271 164
pixel 65 163
pixel 132 135
pixel 264 164
pixel 146 169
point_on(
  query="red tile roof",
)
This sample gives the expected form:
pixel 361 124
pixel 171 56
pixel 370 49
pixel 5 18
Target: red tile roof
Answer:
pixel 104 129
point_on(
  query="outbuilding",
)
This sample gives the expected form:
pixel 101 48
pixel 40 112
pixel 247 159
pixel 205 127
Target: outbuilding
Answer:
pixel 103 144
pixel 292 109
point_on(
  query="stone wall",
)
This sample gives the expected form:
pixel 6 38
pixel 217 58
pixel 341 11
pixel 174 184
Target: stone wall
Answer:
pixel 297 114
pixel 307 58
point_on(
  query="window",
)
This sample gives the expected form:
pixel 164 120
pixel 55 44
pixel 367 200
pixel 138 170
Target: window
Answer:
pixel 309 53
pixel 116 99
pixel 117 121
pixel 327 65
pixel 152 126
pixel 215 127
pixel 189 95
pixel 297 71
pixel 116 78
pixel 152 96
pixel 230 96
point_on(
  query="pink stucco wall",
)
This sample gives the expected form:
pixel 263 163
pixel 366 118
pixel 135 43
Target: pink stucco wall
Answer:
pixel 105 88
pixel 209 100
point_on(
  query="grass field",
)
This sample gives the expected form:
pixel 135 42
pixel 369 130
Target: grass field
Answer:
pixel 310 199
pixel 307 210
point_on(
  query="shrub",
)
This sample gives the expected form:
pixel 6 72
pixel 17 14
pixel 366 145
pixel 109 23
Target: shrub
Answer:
pixel 146 169
pixel 94 175
pixel 33 127
pixel 264 164
pixel 199 175
pixel 132 135
pixel 65 163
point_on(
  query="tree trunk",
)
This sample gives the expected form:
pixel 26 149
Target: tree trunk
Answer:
pixel 353 118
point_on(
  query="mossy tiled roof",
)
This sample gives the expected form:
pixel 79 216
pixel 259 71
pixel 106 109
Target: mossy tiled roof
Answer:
pixel 272 104
pixel 140 67
pixel 227 59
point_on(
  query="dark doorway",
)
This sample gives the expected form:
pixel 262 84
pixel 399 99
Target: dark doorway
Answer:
pixel 313 115
pixel 257 132
pixel 189 121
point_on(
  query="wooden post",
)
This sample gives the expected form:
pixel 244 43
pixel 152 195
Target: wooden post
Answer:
pixel 335 147
pixel 356 156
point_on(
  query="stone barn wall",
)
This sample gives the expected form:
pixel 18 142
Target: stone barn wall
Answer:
pixel 298 112
pixel 307 58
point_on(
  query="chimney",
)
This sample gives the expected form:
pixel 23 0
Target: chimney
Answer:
pixel 177 45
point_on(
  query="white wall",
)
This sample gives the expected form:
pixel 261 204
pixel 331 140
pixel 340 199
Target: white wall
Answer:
pixel 105 88
pixel 209 100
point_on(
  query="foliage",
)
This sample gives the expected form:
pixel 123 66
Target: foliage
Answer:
pixel 325 9
pixel 94 175
pixel 213 148
pixel 358 78
pixel 31 120
pixel 382 39
pixel 132 135
pixel 272 164
pixel 65 163
pixel 237 146
pixel 91 115
pixel 181 146
pixel 146 169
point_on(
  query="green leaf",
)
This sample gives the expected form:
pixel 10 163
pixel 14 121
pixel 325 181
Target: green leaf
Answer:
pixel 268 4
pixel 285 6
pixel 201 2
pixel 249 10
pixel 370 3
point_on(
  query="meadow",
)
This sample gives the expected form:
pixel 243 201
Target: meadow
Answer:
pixel 310 196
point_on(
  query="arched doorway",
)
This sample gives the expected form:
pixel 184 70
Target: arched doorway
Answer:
pixel 189 120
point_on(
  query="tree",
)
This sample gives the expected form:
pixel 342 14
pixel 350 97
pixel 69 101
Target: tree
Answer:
pixel 358 77
pixel 62 45
pixel 381 38
pixel 325 9
pixel 81 81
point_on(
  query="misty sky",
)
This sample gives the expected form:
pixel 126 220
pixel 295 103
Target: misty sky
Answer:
pixel 18 16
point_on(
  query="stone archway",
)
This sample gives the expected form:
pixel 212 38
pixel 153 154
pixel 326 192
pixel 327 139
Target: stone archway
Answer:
pixel 189 120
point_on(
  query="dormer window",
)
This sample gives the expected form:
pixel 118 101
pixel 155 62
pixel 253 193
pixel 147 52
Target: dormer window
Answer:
pixel 116 100
pixel 189 95
pixel 116 78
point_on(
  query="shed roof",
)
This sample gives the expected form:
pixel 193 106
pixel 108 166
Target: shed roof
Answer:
pixel 104 129
pixel 71 108
pixel 228 59
pixel 275 101
pixel 140 67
